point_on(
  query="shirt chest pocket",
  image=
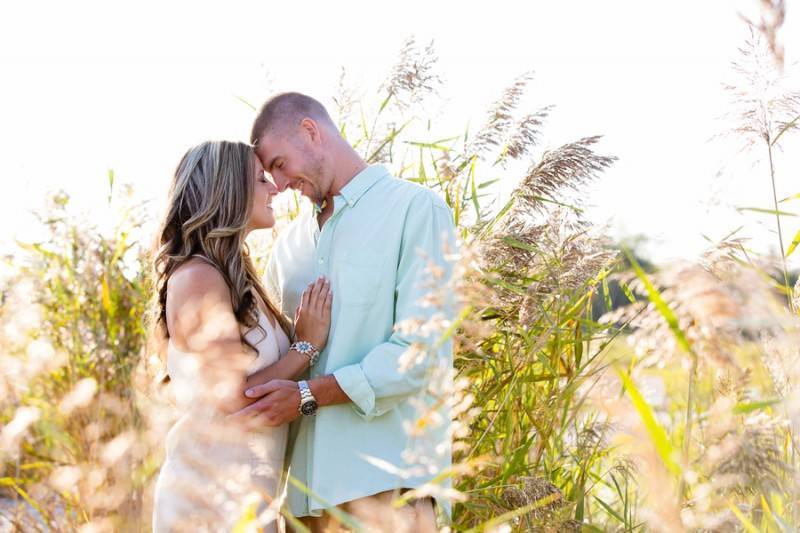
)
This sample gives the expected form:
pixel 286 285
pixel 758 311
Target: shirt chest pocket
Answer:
pixel 360 278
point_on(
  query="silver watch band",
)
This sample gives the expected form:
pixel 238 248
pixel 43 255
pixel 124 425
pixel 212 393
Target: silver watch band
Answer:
pixel 308 404
pixel 305 391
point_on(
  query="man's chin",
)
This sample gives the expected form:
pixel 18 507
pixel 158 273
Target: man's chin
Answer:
pixel 311 195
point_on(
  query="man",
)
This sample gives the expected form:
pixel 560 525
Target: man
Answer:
pixel 382 242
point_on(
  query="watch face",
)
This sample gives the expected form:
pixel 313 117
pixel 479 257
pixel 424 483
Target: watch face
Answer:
pixel 309 408
pixel 304 346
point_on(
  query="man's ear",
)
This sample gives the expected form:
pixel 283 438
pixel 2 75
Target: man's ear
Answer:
pixel 310 128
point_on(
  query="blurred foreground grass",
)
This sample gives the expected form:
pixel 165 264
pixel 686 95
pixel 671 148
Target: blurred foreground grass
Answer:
pixel 677 410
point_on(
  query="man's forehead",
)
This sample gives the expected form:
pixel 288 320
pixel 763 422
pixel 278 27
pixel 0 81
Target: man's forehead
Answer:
pixel 264 148
pixel 268 144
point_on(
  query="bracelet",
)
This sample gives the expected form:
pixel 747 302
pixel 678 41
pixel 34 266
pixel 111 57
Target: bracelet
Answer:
pixel 307 349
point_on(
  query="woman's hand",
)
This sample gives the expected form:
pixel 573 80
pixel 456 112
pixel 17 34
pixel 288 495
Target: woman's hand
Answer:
pixel 313 318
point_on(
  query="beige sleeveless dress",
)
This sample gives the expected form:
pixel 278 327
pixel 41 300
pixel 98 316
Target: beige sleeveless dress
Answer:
pixel 216 475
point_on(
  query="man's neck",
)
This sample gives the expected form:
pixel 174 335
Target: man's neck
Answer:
pixel 350 166
pixel 349 170
pixel 325 212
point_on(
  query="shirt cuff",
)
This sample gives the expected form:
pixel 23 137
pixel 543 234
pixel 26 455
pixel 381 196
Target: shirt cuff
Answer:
pixel 353 382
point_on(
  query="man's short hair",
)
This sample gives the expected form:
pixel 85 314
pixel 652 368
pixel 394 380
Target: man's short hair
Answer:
pixel 287 109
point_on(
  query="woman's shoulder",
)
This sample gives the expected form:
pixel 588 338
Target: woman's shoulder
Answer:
pixel 196 295
pixel 197 278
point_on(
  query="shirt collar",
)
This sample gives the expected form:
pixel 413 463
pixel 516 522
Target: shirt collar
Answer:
pixel 362 182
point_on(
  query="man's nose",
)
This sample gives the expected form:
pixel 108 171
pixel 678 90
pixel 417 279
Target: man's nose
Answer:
pixel 280 182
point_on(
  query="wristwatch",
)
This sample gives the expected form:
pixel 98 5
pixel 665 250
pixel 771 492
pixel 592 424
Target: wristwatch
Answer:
pixel 307 349
pixel 308 404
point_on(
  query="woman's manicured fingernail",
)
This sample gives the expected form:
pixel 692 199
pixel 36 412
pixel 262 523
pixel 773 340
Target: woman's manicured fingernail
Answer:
pixel 249 393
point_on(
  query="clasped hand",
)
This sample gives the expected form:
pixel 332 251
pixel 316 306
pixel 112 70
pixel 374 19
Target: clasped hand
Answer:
pixel 279 399
pixel 278 403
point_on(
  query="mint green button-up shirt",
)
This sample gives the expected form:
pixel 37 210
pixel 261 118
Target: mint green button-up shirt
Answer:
pixel 376 249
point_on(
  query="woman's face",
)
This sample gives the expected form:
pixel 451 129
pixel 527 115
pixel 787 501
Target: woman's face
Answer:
pixel 264 191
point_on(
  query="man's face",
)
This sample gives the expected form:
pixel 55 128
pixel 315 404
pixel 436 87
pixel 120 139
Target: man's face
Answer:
pixel 294 163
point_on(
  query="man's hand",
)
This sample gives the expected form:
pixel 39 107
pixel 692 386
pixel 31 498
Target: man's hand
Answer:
pixel 279 404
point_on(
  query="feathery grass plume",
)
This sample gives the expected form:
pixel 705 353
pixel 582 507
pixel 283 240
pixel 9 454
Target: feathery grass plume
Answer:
pixel 741 460
pixel 413 76
pixel 719 305
pixel 764 109
pixel 345 100
pixel 734 322
pixel 524 136
pixel 551 260
pixel 500 120
pixel 531 490
pixel 557 255
pixel 748 458
pixel 567 168
pixel 533 276
pixel 773 15
pixel 411 83
pixel 77 458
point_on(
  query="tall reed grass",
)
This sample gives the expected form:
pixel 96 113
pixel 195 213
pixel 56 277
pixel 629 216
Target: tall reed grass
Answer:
pixel 677 411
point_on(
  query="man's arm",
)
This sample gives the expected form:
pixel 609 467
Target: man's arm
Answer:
pixel 397 369
pixel 280 399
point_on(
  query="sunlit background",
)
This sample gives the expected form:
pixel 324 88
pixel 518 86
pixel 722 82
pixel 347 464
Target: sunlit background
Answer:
pixel 595 390
pixel 93 86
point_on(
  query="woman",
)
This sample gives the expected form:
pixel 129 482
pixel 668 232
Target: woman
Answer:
pixel 222 335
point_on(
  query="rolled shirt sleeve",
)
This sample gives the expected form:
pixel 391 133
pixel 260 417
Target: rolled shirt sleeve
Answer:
pixel 378 382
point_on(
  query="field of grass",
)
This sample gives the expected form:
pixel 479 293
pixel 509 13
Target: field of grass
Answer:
pixel 676 411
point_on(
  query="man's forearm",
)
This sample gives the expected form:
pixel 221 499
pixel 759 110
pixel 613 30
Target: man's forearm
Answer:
pixel 327 391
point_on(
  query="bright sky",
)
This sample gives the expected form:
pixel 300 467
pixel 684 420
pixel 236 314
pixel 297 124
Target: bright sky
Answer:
pixel 89 86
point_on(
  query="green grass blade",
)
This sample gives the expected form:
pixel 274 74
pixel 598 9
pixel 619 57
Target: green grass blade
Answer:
pixel 657 433
pixel 789 125
pixel 744 408
pixel 794 244
pixel 790 197
pixel 748 525
pixel 245 102
pixel 661 305
pixel 766 211
pixel 610 510
pixel 343 517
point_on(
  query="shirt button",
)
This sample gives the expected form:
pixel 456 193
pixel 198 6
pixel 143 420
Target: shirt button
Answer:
pixel 321 261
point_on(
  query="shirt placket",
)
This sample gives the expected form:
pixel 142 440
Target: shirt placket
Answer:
pixel 324 242
pixel 325 239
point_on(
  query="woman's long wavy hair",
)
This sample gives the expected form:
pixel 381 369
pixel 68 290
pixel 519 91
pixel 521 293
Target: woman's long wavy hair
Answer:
pixel 209 206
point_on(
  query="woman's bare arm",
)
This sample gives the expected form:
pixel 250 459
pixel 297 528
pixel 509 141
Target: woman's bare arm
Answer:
pixel 201 322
